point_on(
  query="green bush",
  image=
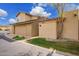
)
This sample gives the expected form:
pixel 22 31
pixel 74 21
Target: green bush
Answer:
pixel 19 37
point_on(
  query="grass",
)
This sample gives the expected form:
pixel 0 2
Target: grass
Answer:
pixel 65 46
pixel 19 37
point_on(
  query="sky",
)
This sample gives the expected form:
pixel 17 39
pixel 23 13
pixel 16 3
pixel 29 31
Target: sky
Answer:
pixel 8 11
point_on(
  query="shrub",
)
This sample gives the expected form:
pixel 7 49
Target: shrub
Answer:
pixel 19 37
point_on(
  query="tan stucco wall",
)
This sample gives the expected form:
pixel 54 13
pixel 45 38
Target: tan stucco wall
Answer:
pixel 24 30
pixel 35 29
pixel 27 30
pixel 78 29
pixel 48 29
pixel 20 30
pixel 23 17
pixel 70 29
pixel 34 18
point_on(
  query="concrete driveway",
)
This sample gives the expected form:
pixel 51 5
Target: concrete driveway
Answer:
pixel 20 48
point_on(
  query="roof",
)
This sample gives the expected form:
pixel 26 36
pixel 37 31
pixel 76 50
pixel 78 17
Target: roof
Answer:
pixel 71 11
pixel 29 15
pixel 24 13
pixel 54 19
pixel 25 22
pixel 39 20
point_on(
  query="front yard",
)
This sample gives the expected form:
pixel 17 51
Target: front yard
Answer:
pixel 65 46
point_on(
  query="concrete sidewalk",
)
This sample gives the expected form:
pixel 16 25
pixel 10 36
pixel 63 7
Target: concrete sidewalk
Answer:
pixel 20 48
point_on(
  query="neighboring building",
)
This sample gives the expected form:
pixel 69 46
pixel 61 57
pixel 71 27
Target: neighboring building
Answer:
pixel 26 25
pixel 4 28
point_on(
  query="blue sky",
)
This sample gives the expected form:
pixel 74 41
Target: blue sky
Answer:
pixel 13 8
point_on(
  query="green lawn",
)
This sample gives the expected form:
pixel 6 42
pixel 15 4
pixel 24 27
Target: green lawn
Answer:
pixel 65 46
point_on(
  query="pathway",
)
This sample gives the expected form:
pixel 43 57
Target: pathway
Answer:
pixel 20 48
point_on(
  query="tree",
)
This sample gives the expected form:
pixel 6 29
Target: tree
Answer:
pixel 60 9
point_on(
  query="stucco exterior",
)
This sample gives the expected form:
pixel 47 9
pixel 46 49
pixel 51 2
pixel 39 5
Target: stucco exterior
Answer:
pixel 35 29
pixel 23 30
pixel 26 25
pixel 34 17
pixel 23 17
pixel 26 30
pixel 48 29
pixel 70 28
